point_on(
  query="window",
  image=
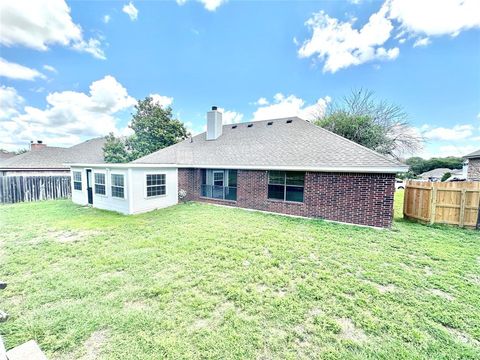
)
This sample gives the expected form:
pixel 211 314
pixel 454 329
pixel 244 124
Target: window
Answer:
pixel 77 180
pixel 99 183
pixel 286 185
pixel 156 185
pixel 118 186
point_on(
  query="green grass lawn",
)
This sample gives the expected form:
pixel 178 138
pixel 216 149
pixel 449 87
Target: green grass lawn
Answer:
pixel 199 281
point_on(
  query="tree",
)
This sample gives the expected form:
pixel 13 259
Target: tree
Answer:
pixel 378 125
pixel 115 150
pixel 446 176
pixel 419 165
pixel 154 128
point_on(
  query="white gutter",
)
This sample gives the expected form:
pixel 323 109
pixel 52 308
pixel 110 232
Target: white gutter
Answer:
pixel 343 169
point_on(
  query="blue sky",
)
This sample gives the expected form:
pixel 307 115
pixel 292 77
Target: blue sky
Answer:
pixel 71 71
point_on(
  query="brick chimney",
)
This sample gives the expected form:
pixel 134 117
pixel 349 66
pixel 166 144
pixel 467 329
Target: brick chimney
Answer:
pixel 214 124
pixel 34 146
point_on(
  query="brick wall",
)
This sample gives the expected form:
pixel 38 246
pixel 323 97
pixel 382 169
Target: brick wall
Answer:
pixel 365 199
pixel 473 169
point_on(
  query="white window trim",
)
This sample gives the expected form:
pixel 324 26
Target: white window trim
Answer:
pixel 95 183
pixel 125 185
pixel 81 180
pixel 146 186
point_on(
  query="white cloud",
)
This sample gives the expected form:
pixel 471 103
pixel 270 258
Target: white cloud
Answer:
pixel 422 42
pixel 340 45
pixel 210 5
pixel 91 46
pixel 69 116
pixel 285 106
pixel 50 68
pixel 41 23
pixel 161 100
pixel 17 71
pixel 131 11
pixel 106 19
pixel 261 101
pixel 435 18
pixel 230 117
pixel 10 102
pixel 457 132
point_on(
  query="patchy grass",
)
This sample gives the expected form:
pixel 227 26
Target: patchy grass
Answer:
pixel 200 281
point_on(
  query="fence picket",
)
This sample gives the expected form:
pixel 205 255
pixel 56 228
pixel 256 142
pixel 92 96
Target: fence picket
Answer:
pixel 33 188
pixel 453 203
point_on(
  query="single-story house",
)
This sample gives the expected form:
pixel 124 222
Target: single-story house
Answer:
pixel 437 174
pixel 50 160
pixel 472 164
pixel 286 165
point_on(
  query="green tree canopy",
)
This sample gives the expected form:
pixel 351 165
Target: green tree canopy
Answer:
pixel 419 165
pixel 373 123
pixel 154 128
pixel 115 150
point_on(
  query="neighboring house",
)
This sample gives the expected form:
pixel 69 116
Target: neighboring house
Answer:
pixel 49 160
pixel 287 166
pixel 4 155
pixel 437 174
pixel 473 166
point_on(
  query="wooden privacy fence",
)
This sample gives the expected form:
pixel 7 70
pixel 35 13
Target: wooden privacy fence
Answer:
pixel 454 203
pixel 33 188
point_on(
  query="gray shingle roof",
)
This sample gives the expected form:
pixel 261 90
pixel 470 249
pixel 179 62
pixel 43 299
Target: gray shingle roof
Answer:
pixel 51 157
pixel 4 155
pixel 281 144
pixel 474 154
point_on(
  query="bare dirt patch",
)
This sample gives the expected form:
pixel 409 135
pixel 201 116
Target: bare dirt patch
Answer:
pixel 461 336
pixel 349 331
pixel 70 236
pixel 442 294
pixel 93 345
pixel 428 271
pixel 217 316
pixel 385 288
pixel 136 305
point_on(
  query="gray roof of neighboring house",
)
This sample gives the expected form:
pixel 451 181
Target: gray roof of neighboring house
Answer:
pixel 437 173
pixel 51 157
pixel 475 154
pixel 298 144
pixel 4 155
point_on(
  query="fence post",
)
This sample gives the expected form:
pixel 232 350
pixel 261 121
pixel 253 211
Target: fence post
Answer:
pixel 433 204
pixel 462 208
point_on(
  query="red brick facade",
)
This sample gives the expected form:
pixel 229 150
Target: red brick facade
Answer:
pixel 365 199
pixel 473 169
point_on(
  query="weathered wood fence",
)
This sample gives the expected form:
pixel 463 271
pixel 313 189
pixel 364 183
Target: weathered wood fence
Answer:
pixel 454 203
pixel 33 188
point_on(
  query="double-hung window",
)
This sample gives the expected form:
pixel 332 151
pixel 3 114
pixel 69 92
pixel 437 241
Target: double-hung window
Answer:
pixel 118 186
pixel 286 185
pixel 156 185
pixel 77 180
pixel 99 183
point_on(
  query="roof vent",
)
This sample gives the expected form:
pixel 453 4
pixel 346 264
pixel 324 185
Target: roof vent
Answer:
pixel 249 125
pixel 234 126
pixel 214 108
pixel 289 121
pixel 270 123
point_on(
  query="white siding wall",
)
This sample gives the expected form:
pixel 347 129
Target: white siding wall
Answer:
pixel 140 202
pixel 135 194
pixel 80 196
